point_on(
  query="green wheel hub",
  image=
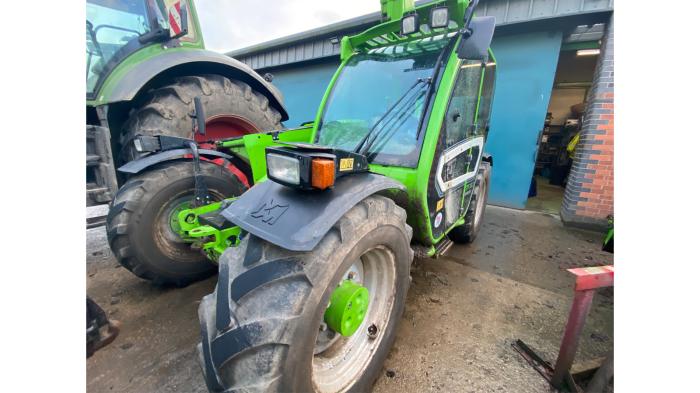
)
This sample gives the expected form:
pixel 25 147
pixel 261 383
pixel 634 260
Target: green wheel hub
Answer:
pixel 349 303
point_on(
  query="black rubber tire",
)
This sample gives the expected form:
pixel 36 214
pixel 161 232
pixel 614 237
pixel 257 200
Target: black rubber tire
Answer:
pixel 165 110
pixel 132 230
pixel 260 324
pixel 467 232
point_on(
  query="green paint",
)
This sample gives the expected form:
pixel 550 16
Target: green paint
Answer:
pixel 395 9
pixel 348 306
pixel 219 240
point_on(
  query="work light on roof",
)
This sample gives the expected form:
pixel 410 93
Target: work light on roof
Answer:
pixel 409 24
pixel 439 17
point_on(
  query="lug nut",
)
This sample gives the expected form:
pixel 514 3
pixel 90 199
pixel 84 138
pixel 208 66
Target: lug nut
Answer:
pixel 372 331
pixel 351 275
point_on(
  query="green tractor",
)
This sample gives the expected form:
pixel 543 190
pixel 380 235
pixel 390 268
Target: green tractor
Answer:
pixel 314 259
pixel 146 63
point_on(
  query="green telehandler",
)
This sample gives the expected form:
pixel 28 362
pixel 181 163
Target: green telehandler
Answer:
pixel 145 64
pixel 314 259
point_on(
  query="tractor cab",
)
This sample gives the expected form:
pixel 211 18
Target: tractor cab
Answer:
pixel 115 30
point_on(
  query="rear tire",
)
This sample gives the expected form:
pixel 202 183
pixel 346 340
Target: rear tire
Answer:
pixel 261 326
pixel 466 233
pixel 138 228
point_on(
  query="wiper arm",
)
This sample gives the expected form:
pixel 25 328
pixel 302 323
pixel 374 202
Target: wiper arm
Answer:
pixel 398 117
pixel 359 147
pixel 399 120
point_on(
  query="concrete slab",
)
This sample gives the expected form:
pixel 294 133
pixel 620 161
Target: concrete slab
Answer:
pixel 462 313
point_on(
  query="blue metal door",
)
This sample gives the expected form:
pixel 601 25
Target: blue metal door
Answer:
pixel 526 67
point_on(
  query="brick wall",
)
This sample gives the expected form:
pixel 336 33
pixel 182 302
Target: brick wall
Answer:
pixel 588 198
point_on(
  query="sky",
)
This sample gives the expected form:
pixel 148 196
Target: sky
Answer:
pixel 234 24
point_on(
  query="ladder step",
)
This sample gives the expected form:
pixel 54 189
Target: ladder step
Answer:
pixel 93 159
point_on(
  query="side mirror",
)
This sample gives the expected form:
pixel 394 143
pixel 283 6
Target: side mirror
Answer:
pixel 477 39
pixel 178 19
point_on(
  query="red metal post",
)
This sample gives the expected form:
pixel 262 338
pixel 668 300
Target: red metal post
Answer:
pixel 588 279
pixel 569 343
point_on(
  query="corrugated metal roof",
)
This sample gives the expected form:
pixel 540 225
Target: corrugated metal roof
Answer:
pixel 324 41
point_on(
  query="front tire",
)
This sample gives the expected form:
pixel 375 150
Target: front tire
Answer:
pixel 139 227
pixel 262 327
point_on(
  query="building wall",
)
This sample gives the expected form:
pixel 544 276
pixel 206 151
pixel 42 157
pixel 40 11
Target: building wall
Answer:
pixel 588 198
pixel 303 87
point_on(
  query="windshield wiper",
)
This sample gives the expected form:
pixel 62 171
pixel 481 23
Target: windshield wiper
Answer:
pixel 363 146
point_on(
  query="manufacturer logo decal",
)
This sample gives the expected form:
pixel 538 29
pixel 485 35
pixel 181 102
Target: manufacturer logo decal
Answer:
pixel 438 220
pixel 346 164
pixel 440 204
pixel 269 212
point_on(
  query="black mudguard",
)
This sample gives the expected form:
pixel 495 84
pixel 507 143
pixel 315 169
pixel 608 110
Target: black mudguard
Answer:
pixel 136 166
pixel 297 220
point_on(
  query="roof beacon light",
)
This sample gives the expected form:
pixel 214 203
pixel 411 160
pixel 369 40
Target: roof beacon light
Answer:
pixel 409 24
pixel 439 17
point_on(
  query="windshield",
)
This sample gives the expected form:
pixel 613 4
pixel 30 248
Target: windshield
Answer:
pixel 110 25
pixel 383 92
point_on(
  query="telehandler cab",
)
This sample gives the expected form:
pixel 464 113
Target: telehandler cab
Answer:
pixel 314 263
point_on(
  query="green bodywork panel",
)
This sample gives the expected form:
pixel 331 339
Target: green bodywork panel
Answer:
pixel 117 75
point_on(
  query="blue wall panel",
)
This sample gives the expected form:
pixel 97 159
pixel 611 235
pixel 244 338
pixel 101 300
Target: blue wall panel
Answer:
pixel 303 89
pixel 524 80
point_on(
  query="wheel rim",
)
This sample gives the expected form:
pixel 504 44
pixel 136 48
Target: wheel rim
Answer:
pixel 226 126
pixel 165 233
pixel 338 361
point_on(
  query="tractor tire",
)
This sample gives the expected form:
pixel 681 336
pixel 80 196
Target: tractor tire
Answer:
pixel 139 229
pixel 466 233
pixel 166 110
pixel 262 327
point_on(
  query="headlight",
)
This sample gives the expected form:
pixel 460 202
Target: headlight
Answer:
pixel 409 24
pixel 283 168
pixel 439 17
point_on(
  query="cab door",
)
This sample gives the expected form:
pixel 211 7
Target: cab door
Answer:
pixel 460 145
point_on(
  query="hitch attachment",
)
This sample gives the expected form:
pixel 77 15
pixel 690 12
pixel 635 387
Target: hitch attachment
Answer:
pixel 211 239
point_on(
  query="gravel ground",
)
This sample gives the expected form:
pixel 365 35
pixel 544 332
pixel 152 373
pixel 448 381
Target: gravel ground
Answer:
pixel 463 311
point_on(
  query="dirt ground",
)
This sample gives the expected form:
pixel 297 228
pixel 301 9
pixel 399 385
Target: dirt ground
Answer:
pixel 463 312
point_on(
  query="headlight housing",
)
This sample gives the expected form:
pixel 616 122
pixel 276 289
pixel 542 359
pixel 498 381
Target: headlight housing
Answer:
pixel 307 166
pixel 283 168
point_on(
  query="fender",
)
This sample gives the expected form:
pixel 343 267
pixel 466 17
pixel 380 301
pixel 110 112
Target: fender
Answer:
pixel 137 166
pixel 197 62
pixel 297 220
